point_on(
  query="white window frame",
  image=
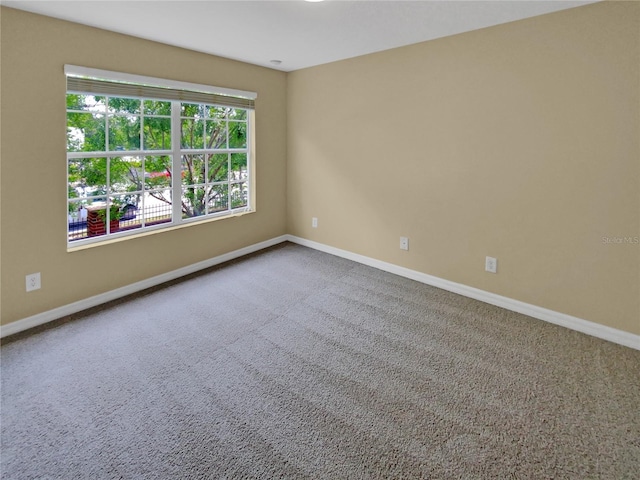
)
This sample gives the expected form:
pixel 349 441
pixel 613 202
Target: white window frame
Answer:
pixel 176 152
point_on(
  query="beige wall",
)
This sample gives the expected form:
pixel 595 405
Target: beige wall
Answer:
pixel 520 141
pixel 33 189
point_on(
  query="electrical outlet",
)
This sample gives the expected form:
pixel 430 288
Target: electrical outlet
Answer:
pixel 491 264
pixel 314 222
pixel 404 243
pixel 33 282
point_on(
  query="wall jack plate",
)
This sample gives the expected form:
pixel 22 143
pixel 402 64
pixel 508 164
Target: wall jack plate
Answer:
pixel 404 243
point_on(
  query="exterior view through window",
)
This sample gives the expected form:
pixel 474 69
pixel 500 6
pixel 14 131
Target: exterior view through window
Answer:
pixel 142 163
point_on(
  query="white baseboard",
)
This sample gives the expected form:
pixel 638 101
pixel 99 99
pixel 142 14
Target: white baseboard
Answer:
pixel 590 328
pixel 574 323
pixel 50 315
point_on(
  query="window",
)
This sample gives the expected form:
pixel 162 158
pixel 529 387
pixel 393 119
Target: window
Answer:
pixel 153 153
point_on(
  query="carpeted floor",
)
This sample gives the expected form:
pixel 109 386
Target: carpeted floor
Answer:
pixel 292 363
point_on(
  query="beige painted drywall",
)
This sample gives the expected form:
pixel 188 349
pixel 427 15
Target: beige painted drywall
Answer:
pixel 520 141
pixel 34 52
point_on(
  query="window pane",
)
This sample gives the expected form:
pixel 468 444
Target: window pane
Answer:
pixel 77 228
pixel 218 198
pixel 218 167
pixel 85 132
pixel 239 166
pixel 193 201
pixel 217 112
pixel 117 205
pixel 239 194
pixel 88 176
pixel 216 134
pixel 237 135
pixel 193 169
pixel 125 174
pixel 192 110
pixel 129 211
pixel 156 107
pixel 124 105
pixel 157 172
pixel 157 133
pixel 237 114
pixel 124 133
pixel 157 207
pixel 192 133
pixel 86 103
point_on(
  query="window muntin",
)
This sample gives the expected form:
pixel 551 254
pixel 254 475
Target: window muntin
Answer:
pixel 122 153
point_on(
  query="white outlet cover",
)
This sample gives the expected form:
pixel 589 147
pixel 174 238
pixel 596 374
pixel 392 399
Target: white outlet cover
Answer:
pixel 404 243
pixel 33 282
pixel 491 264
pixel 314 222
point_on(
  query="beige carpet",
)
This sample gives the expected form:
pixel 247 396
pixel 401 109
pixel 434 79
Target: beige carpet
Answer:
pixel 292 363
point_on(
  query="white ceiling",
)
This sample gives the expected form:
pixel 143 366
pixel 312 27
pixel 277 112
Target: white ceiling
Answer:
pixel 299 33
